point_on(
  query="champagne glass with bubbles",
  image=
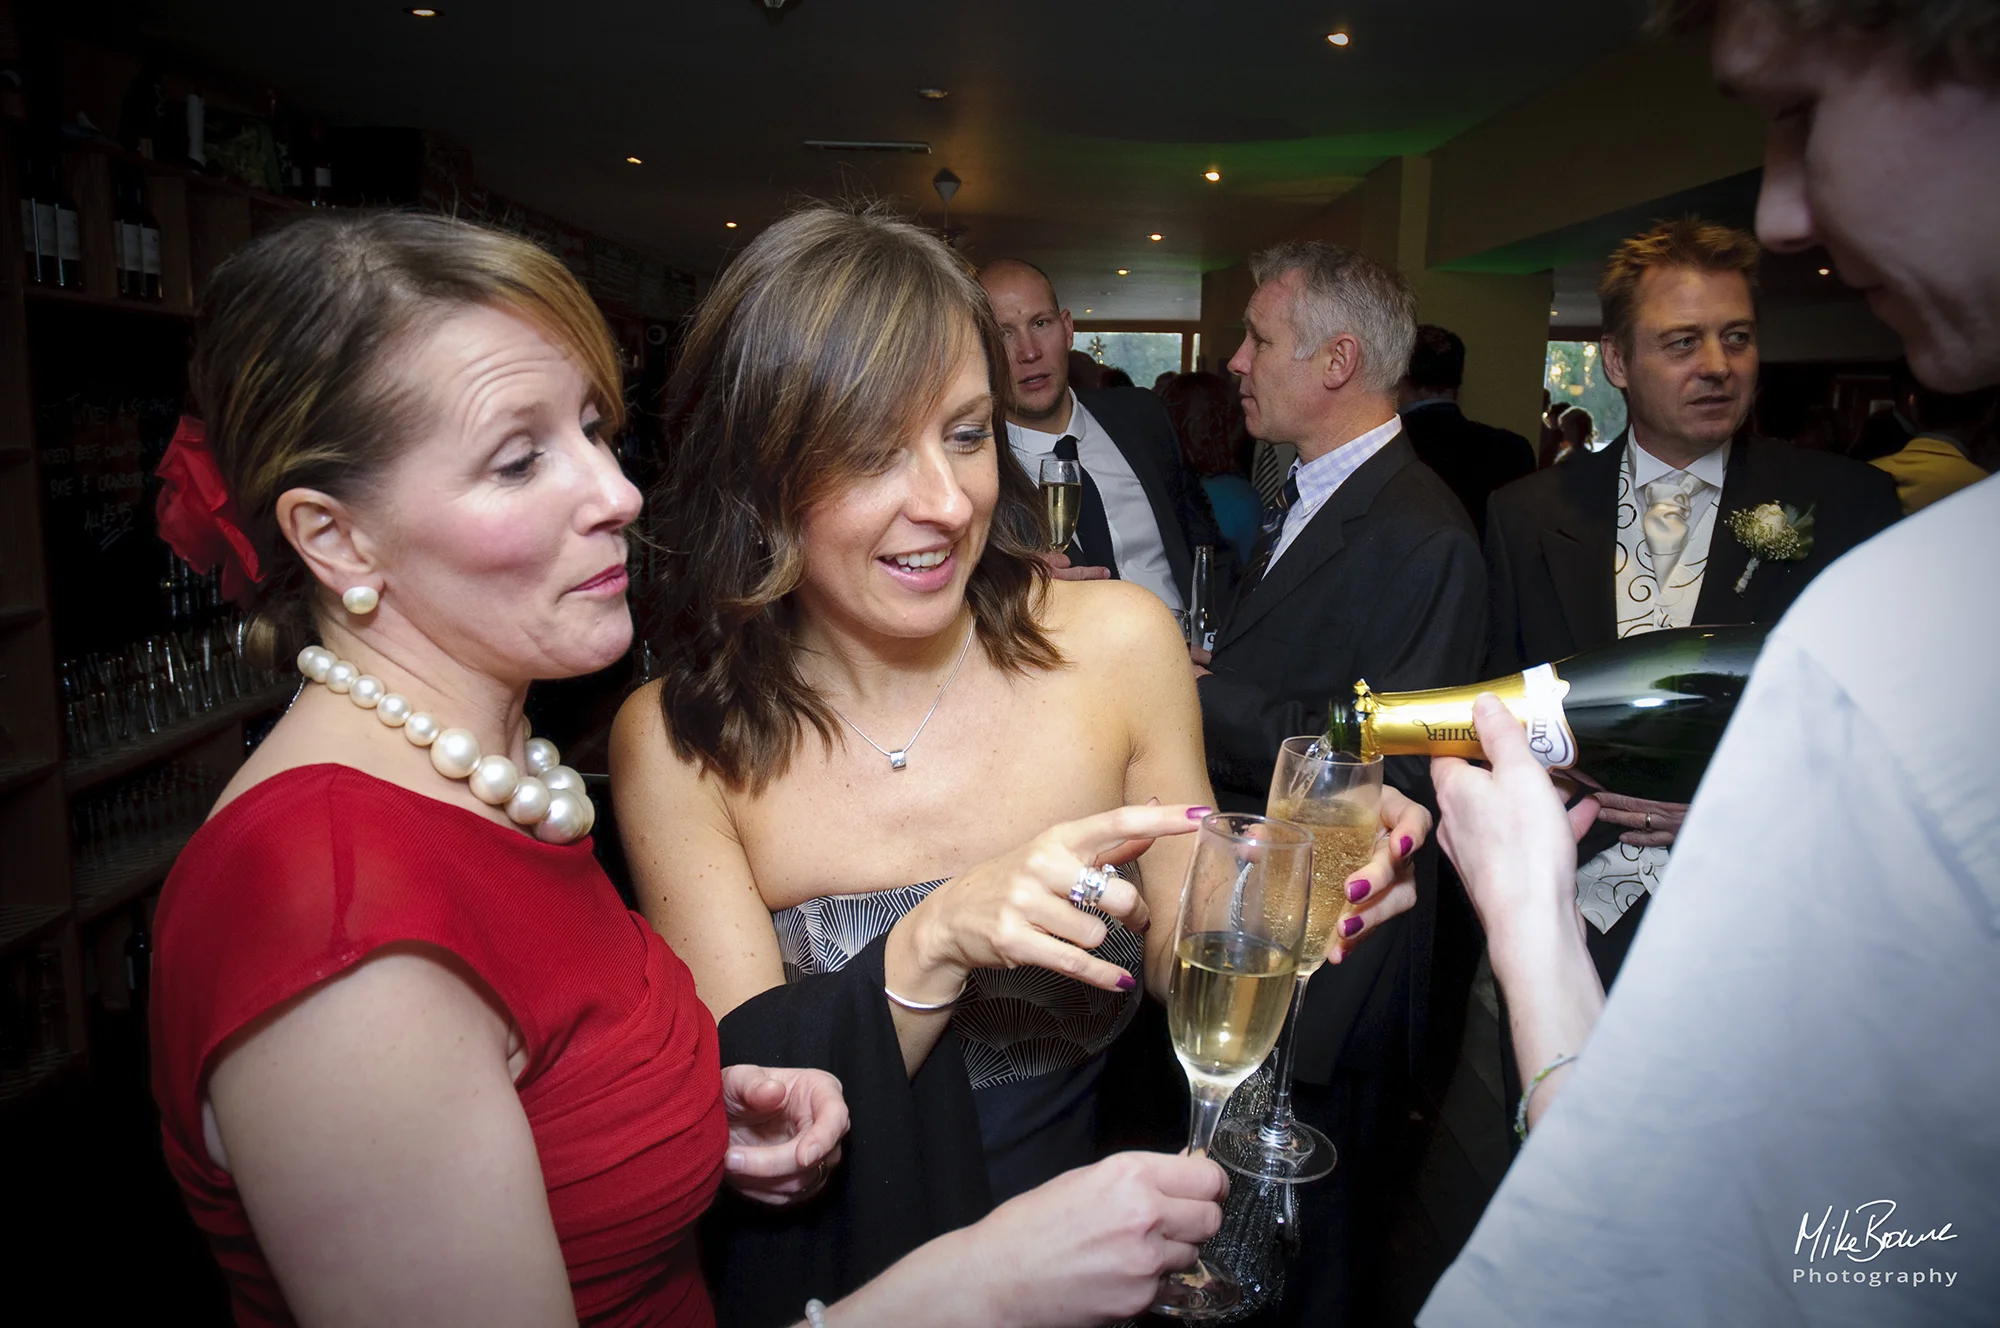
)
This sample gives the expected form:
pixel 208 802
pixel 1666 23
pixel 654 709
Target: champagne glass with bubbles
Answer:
pixel 1062 499
pixel 1338 798
pixel 1236 947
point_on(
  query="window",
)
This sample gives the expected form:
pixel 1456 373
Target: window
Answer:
pixel 1144 355
pixel 1573 374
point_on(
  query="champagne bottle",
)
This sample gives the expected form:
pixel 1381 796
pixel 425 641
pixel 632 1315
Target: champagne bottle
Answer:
pixel 1640 716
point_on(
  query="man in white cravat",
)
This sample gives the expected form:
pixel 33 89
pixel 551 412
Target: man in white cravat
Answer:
pixel 1635 538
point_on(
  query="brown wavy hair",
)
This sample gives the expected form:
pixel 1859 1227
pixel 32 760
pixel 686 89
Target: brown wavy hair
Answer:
pixel 1705 246
pixel 294 366
pixel 820 349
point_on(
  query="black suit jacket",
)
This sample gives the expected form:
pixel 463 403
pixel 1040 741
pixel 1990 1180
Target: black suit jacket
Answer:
pixel 1551 543
pixel 1138 423
pixel 1473 458
pixel 1550 554
pixel 1384 583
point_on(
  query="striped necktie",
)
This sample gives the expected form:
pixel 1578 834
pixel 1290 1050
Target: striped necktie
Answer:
pixel 1269 532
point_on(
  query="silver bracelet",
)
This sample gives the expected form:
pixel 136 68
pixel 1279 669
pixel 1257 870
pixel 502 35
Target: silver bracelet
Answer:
pixel 918 1007
pixel 816 1314
pixel 1521 1112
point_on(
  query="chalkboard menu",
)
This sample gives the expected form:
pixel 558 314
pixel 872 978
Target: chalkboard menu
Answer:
pixel 109 386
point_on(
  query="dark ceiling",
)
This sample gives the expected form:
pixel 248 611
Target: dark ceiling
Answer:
pixel 1077 128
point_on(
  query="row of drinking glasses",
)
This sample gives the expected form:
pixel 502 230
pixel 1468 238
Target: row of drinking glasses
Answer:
pixel 168 798
pixel 113 698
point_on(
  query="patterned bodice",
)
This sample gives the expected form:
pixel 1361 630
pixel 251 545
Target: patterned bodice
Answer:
pixel 1014 1023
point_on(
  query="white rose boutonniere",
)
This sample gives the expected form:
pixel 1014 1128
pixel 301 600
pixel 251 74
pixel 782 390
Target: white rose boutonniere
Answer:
pixel 1775 531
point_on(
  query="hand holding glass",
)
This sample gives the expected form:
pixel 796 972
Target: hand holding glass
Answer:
pixel 1236 947
pixel 1338 797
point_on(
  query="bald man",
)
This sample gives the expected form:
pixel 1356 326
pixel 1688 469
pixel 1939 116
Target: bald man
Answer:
pixel 1150 513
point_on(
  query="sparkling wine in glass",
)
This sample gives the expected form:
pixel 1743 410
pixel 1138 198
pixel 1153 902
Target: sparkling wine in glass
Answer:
pixel 1236 948
pixel 1337 797
pixel 1062 499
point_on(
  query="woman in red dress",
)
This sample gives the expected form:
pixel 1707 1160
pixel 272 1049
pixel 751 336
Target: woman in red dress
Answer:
pixel 415 1061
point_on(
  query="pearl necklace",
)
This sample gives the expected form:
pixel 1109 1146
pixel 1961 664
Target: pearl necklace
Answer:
pixel 549 799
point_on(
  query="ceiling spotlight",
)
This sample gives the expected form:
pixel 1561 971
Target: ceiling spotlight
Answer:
pixel 729 225
pixel 1211 175
pixel 421 13
pixel 1826 272
pixel 1555 313
pixel 1156 237
pixel 1090 311
pixel 1338 38
pixel 635 161
pixel 1123 272
pixel 932 94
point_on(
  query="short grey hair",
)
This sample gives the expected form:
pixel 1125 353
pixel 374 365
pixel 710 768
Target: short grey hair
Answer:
pixel 1342 290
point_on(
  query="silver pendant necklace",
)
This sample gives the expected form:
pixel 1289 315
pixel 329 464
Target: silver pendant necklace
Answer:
pixel 900 758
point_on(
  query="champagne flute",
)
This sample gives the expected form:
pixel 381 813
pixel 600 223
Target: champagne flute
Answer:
pixel 1062 499
pixel 1338 797
pixel 1236 946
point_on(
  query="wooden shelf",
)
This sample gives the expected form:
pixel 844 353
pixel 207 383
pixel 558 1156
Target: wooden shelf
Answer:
pixel 18 615
pixel 130 872
pixel 24 924
pixel 149 166
pixel 90 771
pixel 37 1074
pixel 19 774
pixel 108 303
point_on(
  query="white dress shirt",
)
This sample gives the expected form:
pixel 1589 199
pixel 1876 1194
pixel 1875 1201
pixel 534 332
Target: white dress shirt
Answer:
pixel 1135 535
pixel 1318 479
pixel 1649 598
pixel 1804 1032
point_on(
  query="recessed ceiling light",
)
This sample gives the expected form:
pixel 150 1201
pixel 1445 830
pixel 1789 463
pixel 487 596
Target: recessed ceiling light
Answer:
pixel 1338 38
pixel 1090 311
pixel 635 161
pixel 729 225
pixel 932 94
pixel 1123 272
pixel 1156 237
pixel 1826 272
pixel 421 13
pixel 1555 313
pixel 1211 175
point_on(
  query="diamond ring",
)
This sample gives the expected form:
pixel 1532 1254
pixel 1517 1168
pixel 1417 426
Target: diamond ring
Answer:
pixel 1089 887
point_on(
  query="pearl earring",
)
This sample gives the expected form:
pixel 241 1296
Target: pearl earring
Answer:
pixel 361 600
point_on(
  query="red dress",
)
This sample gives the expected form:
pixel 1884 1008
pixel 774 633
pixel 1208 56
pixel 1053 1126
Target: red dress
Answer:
pixel 309 872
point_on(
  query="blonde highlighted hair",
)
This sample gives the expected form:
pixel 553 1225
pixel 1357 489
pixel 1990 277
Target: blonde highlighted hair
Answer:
pixel 294 365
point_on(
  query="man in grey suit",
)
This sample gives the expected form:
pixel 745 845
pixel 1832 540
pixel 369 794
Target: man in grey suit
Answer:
pixel 1367 568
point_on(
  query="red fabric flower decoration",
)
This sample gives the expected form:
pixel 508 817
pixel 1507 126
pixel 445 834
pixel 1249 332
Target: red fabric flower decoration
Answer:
pixel 197 516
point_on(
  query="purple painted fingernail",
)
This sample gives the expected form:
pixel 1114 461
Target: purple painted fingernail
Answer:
pixel 1126 982
pixel 1350 927
pixel 1196 813
pixel 1406 846
pixel 1358 891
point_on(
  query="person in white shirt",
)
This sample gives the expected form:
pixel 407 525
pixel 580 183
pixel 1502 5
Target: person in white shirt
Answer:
pixel 1784 1112
pixel 1143 513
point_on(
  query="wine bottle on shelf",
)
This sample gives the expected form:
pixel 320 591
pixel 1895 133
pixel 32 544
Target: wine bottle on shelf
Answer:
pixel 151 287
pixel 125 240
pixel 38 224
pixel 69 236
pixel 1640 716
